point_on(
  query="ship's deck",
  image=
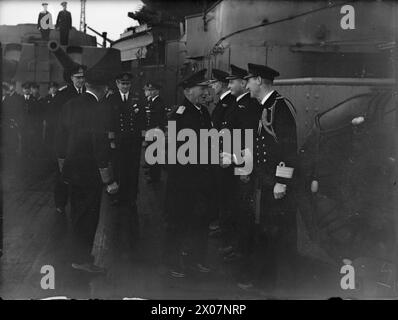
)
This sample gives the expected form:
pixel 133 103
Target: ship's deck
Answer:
pixel 35 236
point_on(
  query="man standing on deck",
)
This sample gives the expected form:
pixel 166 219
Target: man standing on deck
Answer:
pixel 64 24
pixel 83 153
pixel 73 89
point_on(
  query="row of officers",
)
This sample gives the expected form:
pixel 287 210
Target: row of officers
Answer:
pixel 255 210
pixel 98 143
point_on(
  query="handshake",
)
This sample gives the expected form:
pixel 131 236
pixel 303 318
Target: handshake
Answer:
pixel 111 186
pixel 226 159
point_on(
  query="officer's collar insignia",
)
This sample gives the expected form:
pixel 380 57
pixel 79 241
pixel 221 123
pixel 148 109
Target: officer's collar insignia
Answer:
pixel 136 110
pixel 224 105
pixel 180 110
pixel 241 106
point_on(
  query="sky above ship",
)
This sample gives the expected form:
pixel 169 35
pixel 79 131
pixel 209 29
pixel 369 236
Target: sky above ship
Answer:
pixel 101 15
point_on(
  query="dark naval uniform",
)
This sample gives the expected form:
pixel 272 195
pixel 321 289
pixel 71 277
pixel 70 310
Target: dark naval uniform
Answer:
pixel 189 191
pixel 12 117
pixel 275 161
pixel 65 94
pixel 50 117
pixel 31 125
pixel 245 118
pixel 127 124
pixel 155 118
pixel 221 115
pixel 155 113
pixel 64 23
pixel 222 118
pixel 189 204
pixel 82 142
pixel 276 145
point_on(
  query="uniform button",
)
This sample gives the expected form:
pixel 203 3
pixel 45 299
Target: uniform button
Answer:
pixel 264 160
pixel 262 137
pixel 264 152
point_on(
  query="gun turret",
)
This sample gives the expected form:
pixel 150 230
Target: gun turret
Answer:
pixel 9 68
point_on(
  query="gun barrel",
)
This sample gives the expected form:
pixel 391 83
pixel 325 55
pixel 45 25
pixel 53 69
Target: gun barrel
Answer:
pixel 66 62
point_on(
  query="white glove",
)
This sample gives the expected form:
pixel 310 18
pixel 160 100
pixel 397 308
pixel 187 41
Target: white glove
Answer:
pixel 112 188
pixel 279 190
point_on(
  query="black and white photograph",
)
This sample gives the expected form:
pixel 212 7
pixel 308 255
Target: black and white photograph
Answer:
pixel 199 150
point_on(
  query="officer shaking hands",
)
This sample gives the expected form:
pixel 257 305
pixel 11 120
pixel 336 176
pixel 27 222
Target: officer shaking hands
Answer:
pixel 189 189
pixel 275 172
pixel 83 147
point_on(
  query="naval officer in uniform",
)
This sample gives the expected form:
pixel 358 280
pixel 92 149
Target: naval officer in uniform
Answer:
pixel 244 117
pixel 74 88
pixel 275 171
pixel 127 124
pixel 64 24
pixel 189 189
pixel 155 118
pixel 222 120
pixel 83 153
pixel 225 102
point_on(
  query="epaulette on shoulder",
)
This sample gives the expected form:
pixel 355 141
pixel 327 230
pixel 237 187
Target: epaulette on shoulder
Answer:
pixel 180 110
pixel 62 88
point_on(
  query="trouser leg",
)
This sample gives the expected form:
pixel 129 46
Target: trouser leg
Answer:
pixel 135 156
pixel 61 191
pixel 129 156
pixel 225 191
pixel 85 206
pixel 173 244
pixel 279 236
pixel 198 229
